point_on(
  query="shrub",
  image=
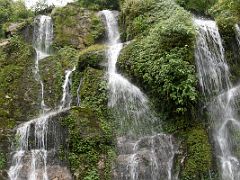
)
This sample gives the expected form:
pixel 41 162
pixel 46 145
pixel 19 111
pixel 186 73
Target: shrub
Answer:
pixel 163 60
pixel 197 6
pixel 99 4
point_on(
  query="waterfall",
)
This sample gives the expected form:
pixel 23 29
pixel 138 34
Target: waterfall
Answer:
pixel 213 71
pixel 143 154
pixel 42 40
pixel 30 158
pixel 238 34
pixel 214 79
pixel 78 92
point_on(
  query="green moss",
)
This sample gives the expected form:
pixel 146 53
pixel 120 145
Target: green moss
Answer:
pixel 91 57
pixel 2 161
pixel 76 27
pixel 199 155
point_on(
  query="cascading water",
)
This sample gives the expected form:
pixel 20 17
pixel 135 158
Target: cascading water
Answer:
pixel 238 34
pixel 78 90
pixel 214 79
pixel 143 154
pixel 31 156
pixel 43 35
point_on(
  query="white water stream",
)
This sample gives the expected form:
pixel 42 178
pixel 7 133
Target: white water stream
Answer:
pixel 143 154
pixel 237 27
pixel 220 96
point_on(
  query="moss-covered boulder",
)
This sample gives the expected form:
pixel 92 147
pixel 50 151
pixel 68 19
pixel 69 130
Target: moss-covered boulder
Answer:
pixel 76 27
pixel 94 57
pixel 162 62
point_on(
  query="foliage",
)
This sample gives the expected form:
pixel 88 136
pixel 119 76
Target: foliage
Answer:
pixel 197 6
pixel 139 16
pixel 162 61
pixel 2 160
pixel 99 4
pixel 227 14
pixel 12 12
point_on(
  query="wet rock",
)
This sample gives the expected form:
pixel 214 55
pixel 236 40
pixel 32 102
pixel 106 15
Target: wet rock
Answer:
pixel 14 28
pixel 150 157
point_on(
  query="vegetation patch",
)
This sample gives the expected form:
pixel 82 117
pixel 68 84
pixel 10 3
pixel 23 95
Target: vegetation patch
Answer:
pixel 199 155
pixel 99 4
pixel 12 11
pixel 163 61
pixel 197 6
pixel 18 88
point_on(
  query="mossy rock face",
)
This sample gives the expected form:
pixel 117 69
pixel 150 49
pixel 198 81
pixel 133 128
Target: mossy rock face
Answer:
pixel 23 29
pixel 160 59
pixel 76 27
pixel 90 148
pixel 18 89
pixel 94 89
pixel 52 72
pixel 18 92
